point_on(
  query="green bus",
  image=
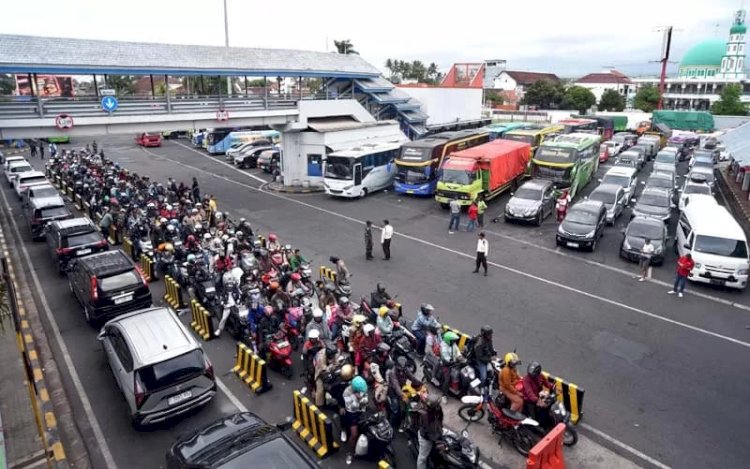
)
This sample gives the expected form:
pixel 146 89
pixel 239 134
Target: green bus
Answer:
pixel 569 161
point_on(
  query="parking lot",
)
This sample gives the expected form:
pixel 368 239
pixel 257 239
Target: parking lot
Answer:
pixel 653 366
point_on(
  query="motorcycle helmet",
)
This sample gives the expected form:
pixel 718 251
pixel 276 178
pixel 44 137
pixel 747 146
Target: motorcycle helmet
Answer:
pixel 191 258
pixel 219 215
pixel 169 207
pixel 169 247
pixel 268 310
pixel 191 239
pixel 534 369
pixel 450 337
pixel 317 313
pixel 207 236
pixel 272 237
pixel 314 334
pixel 240 235
pixel 511 359
pixel 274 285
pixel 243 220
pixel 331 350
pixel 163 221
pixel 347 371
pixel 170 229
pixel 433 402
pixel 359 384
pixel 384 348
pixel 343 300
pixel 486 330
pixel 382 311
pixel 296 277
pixel 358 320
pixel 333 259
pixel 368 328
pixel 426 309
pixel 225 238
pixel 401 362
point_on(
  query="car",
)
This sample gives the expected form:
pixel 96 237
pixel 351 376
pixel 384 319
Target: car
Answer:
pixel 613 148
pixel 646 148
pixel 634 236
pixel 73 238
pixel 692 188
pixel 148 140
pixel 108 284
pixel 624 177
pixel 41 191
pixel 532 202
pixel 269 160
pixel 39 212
pixel 160 368
pixel 241 148
pixel 628 159
pixel 175 134
pixel 655 203
pixel 215 446
pixel 12 159
pixel 707 173
pixel 701 161
pixel 614 199
pixel 666 160
pixel 27 179
pixel 234 149
pixel 642 158
pixel 662 180
pixel 14 169
pixel 583 225
pixel 249 158
pixel 626 139
pixel 713 154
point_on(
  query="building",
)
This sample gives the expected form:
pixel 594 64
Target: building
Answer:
pixel 706 69
pixel 513 84
pixel 446 105
pixel 600 82
pixel 465 75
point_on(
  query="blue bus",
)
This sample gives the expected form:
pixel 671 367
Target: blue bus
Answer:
pixel 498 130
pixel 221 140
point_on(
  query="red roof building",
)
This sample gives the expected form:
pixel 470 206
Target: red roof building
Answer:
pixel 599 82
pixel 512 84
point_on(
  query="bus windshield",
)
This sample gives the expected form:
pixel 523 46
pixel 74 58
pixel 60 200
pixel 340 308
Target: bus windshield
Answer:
pixel 338 167
pixel 415 154
pixel 413 175
pixel 458 176
pixel 520 138
pixel 555 155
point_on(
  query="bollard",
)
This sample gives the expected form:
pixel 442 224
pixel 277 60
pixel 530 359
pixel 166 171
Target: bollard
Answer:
pixel 462 338
pixel 262 240
pixel 548 453
pixel 112 238
pixel 173 296
pixel 127 246
pixel 313 426
pixel 251 369
pixel 326 273
pixel 201 323
pixel 78 201
pixel 148 268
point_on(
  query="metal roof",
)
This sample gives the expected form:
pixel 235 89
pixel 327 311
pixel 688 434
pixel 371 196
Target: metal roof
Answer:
pixel 36 54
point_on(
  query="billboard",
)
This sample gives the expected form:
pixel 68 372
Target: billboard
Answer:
pixel 46 85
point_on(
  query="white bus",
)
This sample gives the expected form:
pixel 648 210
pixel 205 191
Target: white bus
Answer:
pixel 361 170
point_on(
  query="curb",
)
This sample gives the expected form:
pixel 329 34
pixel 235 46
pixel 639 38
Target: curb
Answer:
pixel 276 187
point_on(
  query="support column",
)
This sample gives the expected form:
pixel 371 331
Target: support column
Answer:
pixel 153 90
pixel 299 83
pixel 96 87
pixel 35 93
pixel 218 82
pixel 168 94
pixel 246 86
pixel 265 92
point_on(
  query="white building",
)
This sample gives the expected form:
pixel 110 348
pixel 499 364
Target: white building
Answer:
pixel 600 82
pixel 445 105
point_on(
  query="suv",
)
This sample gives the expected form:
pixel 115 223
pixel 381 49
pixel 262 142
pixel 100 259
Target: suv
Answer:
pixel 249 158
pixel 159 367
pixel 71 239
pixel 107 285
pixel 41 211
pixel 42 191
pixel 14 169
pixel 23 181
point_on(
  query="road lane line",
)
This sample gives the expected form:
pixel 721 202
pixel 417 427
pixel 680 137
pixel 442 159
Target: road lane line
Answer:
pixel 232 398
pixel 96 429
pixel 624 446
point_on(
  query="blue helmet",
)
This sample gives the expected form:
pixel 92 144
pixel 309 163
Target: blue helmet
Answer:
pixel 359 384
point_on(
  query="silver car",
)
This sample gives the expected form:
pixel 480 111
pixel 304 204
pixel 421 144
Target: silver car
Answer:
pixel 533 201
pixel 160 368
pixel 654 203
pixel 614 199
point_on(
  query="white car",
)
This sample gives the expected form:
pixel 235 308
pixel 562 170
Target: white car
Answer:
pixel 624 177
pixel 12 159
pixel 14 169
pixel 613 148
pixel 27 179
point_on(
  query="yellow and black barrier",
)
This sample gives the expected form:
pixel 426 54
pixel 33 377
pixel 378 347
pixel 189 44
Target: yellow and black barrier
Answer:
pixel 70 192
pixel 63 187
pixel 58 181
pixel 201 323
pixel 127 246
pixel 327 273
pixel 173 296
pixel 313 426
pixel 112 238
pixel 251 369
pixel 78 201
pixel 262 240
pixel 570 395
pixel 148 267
pixel 383 464
pixel 462 338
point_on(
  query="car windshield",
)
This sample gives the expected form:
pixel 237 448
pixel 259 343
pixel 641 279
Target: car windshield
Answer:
pixel 41 192
pixel 52 212
pixel 622 181
pixel 119 281
pixel 645 230
pixel 338 167
pixel 80 239
pixel 274 454
pixel 721 246
pixel 21 169
pixel 665 158
pixel 583 217
pixel 654 199
pixel 31 179
pixel 603 196
pixel 412 175
pixel 169 372
pixel 697 189
pixel 457 176
pixel 530 193
pixel 703 163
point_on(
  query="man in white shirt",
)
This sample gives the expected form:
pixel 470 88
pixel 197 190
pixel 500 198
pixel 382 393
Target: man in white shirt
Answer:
pixel 385 239
pixel 646 252
pixel 483 248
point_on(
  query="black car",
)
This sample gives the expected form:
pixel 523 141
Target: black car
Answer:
pixel 249 158
pixel 39 212
pixel 634 236
pixel 108 284
pixel 583 225
pixel 74 238
pixel 239 440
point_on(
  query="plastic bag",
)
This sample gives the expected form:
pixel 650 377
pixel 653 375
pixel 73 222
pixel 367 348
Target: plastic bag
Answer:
pixel 360 449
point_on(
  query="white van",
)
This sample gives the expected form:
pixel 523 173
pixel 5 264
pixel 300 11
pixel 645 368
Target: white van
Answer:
pixel 717 243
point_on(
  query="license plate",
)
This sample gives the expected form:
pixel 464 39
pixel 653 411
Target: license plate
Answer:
pixel 409 192
pixel 180 397
pixel 283 344
pixel 717 281
pixel 83 252
pixel 210 290
pixel 572 245
pixel 124 299
pixel 476 383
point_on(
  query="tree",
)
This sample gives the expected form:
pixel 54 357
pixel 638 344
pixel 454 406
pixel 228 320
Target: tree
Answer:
pixel 7 84
pixel 344 46
pixel 389 67
pixel 647 98
pixel 578 98
pixel 729 103
pixel 494 98
pixel 543 94
pixel 612 101
pixel 122 84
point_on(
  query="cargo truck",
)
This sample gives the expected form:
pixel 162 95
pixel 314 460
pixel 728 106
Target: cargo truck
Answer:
pixel 487 169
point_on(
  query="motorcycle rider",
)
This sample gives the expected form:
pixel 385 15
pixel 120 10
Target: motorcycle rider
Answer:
pixel 273 243
pixel 319 325
pixel 379 297
pixel 384 321
pixel 325 362
pixel 343 276
pixel 419 327
pixel 397 377
pixel 355 403
pixel 244 227
pixel 229 301
pixel 432 342
pixel 267 326
pixel 326 297
pixel 533 384
pixel 295 283
pixel 309 350
pixel 343 313
pixel 364 344
pixel 430 429
pixel 483 351
pixel 296 260
pixel 449 354
pixel 509 379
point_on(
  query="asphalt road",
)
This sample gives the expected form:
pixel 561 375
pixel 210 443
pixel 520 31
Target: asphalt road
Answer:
pixel 663 375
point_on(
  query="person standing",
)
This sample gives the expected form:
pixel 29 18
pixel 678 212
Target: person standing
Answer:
pixel 645 261
pixel 481 208
pixel 455 209
pixel 472 213
pixel 483 248
pixel 385 239
pixel 41 150
pixel 32 148
pixel 562 205
pixel 196 191
pixel 684 265
pixel 368 240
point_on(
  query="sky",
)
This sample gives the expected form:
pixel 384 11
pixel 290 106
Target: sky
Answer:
pixel 570 38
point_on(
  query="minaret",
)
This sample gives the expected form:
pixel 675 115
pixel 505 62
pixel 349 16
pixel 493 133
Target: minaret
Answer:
pixel 733 62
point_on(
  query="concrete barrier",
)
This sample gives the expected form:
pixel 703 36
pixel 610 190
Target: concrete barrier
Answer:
pixel 313 426
pixel 173 296
pixel 570 395
pixel 548 453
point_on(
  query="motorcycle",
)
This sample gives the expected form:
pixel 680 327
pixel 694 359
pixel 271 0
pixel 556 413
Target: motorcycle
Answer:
pixel 279 356
pixel 462 379
pixel 554 412
pixel 374 441
pixel 451 451
pixel 402 346
pixel 293 322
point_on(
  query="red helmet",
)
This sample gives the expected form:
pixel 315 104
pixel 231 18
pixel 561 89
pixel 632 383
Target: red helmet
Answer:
pixel 273 285
pixel 191 239
pixel 272 237
pixel 296 277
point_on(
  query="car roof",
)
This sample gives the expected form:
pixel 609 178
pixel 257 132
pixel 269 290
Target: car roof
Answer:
pixel 608 188
pixel 537 183
pixel 107 263
pixel 12 159
pixel 42 186
pixel 703 158
pixel 74 225
pixel 46 202
pixel 155 335
pixel 621 171
pixel 18 163
pixel 588 205
pixel 702 170
pixel 644 220
pixel 661 175
pixel 713 220
pixel 629 153
pixel 655 190
pixel 30 174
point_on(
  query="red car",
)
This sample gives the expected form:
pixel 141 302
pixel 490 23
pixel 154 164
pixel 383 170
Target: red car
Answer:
pixel 148 140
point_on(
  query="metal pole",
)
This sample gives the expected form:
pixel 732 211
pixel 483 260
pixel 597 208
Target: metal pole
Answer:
pixel 664 60
pixel 300 88
pixel 167 94
pixel 96 87
pixel 265 91
pixel 153 90
pixel 32 85
pixel 246 86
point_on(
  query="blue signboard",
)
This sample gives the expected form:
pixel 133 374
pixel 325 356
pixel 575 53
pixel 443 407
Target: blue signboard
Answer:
pixel 109 103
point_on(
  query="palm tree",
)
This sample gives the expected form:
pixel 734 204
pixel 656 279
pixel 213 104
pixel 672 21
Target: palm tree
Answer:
pixel 433 73
pixel 389 66
pixel 345 47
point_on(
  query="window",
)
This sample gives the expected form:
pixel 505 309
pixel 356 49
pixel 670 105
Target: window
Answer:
pixel 732 48
pixel 741 48
pixel 121 349
pixel 174 370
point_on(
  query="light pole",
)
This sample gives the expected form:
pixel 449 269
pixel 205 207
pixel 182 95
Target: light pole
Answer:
pixel 226 44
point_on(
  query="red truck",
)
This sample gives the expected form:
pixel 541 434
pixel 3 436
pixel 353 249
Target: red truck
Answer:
pixel 487 169
pixel 148 140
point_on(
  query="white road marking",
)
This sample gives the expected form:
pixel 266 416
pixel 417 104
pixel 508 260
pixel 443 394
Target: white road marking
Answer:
pixel 624 446
pixel 494 264
pixel 232 398
pixel 96 429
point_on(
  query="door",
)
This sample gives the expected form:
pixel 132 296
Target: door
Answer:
pixel 357 175
pixel 548 202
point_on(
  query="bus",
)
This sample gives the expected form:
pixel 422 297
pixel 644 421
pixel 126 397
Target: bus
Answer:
pixel 605 125
pixel 579 125
pixel 221 140
pixel 569 161
pixel 419 162
pixel 361 170
pixel 534 137
pixel 498 130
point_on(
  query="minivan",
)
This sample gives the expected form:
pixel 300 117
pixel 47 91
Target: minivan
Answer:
pixel 41 211
pixel 25 180
pixel 74 238
pixel 161 370
pixel 14 169
pixel 717 243
pixel 623 177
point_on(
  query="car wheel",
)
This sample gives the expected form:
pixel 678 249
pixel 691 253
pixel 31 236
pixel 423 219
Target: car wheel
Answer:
pixel 89 318
pixel 539 218
pixel 594 244
pixel 363 193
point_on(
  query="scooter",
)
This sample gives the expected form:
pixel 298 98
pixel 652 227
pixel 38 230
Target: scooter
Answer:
pixel 551 414
pixel 280 352
pixel 374 441
pixel 402 346
pixel 462 379
pixel 451 451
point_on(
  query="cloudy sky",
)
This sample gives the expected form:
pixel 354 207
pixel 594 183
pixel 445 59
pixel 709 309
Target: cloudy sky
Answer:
pixel 570 38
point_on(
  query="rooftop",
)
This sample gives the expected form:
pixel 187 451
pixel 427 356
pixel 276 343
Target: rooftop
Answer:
pixel 87 56
pixel 608 77
pixel 527 78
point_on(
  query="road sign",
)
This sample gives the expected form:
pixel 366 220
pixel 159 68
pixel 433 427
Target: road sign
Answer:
pixel 109 103
pixel 64 121
pixel 222 115
pixel 107 92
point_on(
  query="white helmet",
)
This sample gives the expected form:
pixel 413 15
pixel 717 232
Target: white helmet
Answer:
pixel 368 328
pixel 314 334
pixel 207 236
pixel 317 313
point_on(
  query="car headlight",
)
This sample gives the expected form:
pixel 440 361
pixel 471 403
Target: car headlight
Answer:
pixel 697 265
pixel 560 230
pixel 658 249
pixel 742 271
pixel 591 234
